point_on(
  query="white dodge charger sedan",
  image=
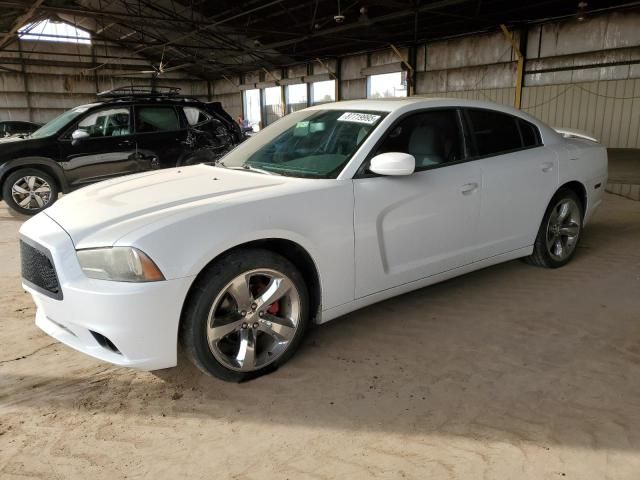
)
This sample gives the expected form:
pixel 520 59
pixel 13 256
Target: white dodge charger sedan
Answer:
pixel 329 209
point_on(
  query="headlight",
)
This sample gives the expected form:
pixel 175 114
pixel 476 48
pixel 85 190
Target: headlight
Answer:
pixel 121 264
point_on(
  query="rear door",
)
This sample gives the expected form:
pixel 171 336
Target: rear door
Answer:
pixel 108 151
pixel 519 177
pixel 161 136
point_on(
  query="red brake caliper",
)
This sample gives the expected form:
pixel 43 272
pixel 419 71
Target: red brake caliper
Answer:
pixel 274 308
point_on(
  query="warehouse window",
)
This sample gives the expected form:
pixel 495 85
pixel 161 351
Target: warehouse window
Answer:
pixel 272 104
pixel 387 85
pixel 323 92
pixel 252 110
pixel 296 97
pixel 50 31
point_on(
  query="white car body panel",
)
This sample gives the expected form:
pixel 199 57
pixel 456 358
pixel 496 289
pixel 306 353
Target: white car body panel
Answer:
pixel 402 232
pixel 369 238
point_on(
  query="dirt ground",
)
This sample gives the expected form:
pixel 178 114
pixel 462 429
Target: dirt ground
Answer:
pixel 513 372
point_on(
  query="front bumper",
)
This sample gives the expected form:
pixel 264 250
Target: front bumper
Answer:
pixel 139 320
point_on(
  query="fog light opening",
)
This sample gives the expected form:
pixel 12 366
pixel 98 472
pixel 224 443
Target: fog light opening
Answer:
pixel 104 342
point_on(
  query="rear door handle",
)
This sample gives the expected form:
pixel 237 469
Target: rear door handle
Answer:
pixel 547 166
pixel 125 143
pixel 468 188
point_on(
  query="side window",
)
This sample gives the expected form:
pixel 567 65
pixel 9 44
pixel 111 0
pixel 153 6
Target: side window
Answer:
pixel 493 132
pixel 432 137
pixel 530 134
pixel 195 116
pixel 156 119
pixel 113 122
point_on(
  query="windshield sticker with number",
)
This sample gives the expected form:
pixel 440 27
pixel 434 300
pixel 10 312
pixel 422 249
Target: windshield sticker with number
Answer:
pixel 366 118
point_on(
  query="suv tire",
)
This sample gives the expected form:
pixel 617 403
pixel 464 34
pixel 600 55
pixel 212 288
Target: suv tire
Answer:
pixel 29 191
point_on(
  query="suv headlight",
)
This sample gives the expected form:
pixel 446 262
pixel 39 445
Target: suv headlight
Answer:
pixel 121 264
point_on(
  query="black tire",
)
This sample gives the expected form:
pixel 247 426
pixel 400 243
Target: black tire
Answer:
pixel 541 256
pixel 210 284
pixel 15 176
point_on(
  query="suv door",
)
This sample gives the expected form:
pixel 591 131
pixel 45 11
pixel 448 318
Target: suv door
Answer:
pixel 413 227
pixel 109 150
pixel 519 177
pixel 160 134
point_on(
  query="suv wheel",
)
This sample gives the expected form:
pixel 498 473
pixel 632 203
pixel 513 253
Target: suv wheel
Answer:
pixel 246 315
pixel 29 191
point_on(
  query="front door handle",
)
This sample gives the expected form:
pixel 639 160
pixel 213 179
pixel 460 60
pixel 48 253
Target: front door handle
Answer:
pixel 469 188
pixel 547 166
pixel 125 143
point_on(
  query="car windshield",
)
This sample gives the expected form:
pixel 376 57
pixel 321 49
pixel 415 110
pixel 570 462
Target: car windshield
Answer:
pixel 53 126
pixel 308 143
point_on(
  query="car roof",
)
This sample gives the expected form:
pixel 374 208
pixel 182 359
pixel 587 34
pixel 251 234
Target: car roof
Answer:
pixel 393 104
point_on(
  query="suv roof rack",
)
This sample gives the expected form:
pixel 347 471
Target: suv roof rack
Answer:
pixel 153 91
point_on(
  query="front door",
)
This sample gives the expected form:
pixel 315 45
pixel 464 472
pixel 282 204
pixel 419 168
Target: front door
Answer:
pixel 161 136
pixel 412 227
pixel 108 150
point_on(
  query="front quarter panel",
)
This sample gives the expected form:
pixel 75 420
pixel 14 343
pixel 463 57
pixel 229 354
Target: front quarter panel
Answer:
pixel 316 214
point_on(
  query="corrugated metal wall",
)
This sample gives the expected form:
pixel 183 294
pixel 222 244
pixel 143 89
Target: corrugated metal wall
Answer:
pixel 39 91
pixel 608 110
pixel 581 75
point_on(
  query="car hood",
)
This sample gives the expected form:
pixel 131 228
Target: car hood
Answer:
pixel 100 214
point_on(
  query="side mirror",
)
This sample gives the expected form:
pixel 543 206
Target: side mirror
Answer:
pixel 393 164
pixel 78 135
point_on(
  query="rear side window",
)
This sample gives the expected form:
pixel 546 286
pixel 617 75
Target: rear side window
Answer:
pixel 195 116
pixel 493 133
pixel 530 134
pixel 156 119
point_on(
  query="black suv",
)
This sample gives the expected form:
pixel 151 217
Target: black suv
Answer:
pixel 127 131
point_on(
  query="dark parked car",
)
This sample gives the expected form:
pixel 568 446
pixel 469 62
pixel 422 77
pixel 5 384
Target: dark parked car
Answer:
pixel 125 131
pixel 9 128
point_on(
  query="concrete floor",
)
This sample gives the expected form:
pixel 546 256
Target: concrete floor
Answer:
pixel 513 372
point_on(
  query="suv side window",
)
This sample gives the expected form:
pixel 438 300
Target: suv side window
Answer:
pixel 530 134
pixel 432 137
pixel 156 119
pixel 195 116
pixel 493 132
pixel 112 122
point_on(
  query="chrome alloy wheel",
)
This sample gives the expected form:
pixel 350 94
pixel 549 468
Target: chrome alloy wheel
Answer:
pixel 253 320
pixel 563 229
pixel 31 192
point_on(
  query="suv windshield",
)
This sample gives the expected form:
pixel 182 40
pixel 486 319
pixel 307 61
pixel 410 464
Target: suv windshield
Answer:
pixel 309 143
pixel 53 126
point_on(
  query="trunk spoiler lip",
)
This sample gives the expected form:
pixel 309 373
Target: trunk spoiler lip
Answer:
pixel 571 133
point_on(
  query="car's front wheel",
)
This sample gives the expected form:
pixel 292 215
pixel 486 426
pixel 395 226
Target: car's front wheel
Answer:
pixel 29 191
pixel 245 316
pixel 559 232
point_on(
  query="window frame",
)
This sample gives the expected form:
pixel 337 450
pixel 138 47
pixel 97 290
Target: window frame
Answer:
pixel 179 117
pixel 66 136
pixel 472 139
pixel 363 169
pixel 186 119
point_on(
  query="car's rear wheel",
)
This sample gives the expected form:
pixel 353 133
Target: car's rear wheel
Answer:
pixel 245 316
pixel 559 232
pixel 28 191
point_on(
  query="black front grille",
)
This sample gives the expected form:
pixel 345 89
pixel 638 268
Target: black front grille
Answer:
pixel 38 270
